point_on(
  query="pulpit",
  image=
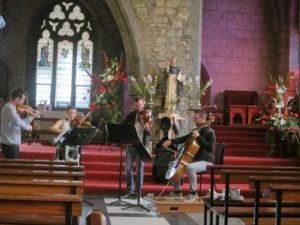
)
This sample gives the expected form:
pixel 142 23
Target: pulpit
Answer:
pixel 238 100
pixel 252 111
pixel 237 114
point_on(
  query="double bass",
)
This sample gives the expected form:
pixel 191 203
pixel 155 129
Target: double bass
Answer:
pixel 178 168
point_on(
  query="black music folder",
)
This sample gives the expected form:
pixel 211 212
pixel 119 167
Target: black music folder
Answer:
pixel 127 134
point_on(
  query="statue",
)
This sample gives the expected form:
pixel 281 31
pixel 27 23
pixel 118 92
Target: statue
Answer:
pixel 173 86
pixel 85 55
pixel 44 56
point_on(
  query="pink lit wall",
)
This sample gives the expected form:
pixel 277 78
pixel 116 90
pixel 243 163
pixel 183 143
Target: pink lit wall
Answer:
pixel 237 43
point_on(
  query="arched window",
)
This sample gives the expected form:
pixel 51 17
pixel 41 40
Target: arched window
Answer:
pixel 64 56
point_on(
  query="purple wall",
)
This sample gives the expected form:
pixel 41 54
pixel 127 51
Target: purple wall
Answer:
pixel 237 45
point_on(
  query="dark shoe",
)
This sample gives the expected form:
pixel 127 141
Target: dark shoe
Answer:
pixel 131 195
pixel 192 197
pixel 175 196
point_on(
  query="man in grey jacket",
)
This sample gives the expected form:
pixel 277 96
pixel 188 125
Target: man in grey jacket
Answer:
pixel 11 124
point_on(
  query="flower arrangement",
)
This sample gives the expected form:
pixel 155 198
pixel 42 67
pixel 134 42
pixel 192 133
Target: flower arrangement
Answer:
pixel 107 89
pixel 147 89
pixel 201 91
pixel 278 117
pixel 203 88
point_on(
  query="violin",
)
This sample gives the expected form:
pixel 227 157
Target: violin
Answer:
pixel 146 116
pixel 22 109
pixel 79 122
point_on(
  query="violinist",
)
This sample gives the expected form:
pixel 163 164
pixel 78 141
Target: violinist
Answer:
pixel 140 117
pixel 205 138
pixel 12 123
pixel 61 126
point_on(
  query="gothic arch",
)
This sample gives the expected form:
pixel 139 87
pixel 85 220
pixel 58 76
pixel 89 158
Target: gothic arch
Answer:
pixel 127 23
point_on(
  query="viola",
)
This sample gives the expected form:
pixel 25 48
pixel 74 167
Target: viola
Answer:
pixel 146 116
pixel 79 122
pixel 22 109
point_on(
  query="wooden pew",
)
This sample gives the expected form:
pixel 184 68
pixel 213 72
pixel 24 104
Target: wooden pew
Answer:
pixel 282 192
pixel 36 209
pixel 38 189
pixel 26 174
pixel 214 170
pixel 50 167
pixel 262 182
pixel 35 197
pixel 244 175
pixel 38 161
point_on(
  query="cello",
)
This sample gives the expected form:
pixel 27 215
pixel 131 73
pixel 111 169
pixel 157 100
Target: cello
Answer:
pixel 178 168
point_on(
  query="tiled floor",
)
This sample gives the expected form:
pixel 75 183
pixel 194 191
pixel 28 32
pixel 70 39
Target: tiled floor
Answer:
pixel 120 215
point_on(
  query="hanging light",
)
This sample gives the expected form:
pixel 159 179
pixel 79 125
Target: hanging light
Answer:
pixel 2 22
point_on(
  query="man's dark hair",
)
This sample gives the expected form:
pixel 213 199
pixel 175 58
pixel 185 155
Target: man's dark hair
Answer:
pixel 18 93
pixel 69 108
pixel 136 99
pixel 201 112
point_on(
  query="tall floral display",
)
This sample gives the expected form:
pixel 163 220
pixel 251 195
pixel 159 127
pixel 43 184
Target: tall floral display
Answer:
pixel 106 90
pixel 281 122
pixel 147 89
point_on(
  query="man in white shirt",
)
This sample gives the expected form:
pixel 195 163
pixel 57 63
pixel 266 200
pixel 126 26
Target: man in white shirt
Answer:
pixel 11 124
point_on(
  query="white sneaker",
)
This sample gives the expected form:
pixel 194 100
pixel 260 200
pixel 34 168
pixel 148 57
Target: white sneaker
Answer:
pixel 191 197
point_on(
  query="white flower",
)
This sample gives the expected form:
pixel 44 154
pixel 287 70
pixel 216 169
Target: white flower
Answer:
pixel 282 122
pixel 149 78
pixel 108 78
pixel 132 79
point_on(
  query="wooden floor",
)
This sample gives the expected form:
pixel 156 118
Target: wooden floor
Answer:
pixel 117 215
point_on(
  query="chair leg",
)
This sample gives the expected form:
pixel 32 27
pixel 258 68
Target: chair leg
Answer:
pixel 205 214
pixel 200 188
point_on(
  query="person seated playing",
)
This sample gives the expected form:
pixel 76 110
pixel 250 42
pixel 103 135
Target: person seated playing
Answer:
pixel 205 138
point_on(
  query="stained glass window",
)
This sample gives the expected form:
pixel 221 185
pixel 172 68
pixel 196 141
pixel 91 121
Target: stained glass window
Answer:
pixel 64 56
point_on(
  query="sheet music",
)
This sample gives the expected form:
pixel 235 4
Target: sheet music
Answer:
pixel 60 137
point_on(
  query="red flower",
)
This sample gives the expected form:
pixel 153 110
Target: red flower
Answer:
pixel 93 107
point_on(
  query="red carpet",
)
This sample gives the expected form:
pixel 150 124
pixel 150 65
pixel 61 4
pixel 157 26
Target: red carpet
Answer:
pixel 245 146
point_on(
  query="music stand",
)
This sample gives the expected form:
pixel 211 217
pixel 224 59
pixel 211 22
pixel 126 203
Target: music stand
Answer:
pixel 127 134
pixel 78 136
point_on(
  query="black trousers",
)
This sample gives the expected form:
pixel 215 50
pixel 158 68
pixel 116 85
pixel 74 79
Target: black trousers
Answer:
pixel 10 151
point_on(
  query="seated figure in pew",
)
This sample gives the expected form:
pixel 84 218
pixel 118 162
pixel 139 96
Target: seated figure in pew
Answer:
pixel 205 137
pixel 66 152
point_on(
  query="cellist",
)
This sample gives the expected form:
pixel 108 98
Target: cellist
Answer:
pixel 205 138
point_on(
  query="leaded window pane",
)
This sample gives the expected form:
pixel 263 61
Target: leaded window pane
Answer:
pixel 82 96
pixel 44 92
pixel 64 74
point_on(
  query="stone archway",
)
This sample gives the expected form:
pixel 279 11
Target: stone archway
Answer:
pixel 124 17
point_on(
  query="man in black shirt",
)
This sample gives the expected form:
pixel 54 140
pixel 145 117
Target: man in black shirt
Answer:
pixel 133 118
pixel 205 138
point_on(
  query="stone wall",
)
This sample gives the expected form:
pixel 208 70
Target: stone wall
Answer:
pixel 166 30
pixel 237 44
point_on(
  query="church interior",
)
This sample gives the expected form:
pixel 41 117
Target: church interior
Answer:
pixel 163 112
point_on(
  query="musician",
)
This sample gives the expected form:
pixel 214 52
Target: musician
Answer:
pixel 61 126
pixel 11 124
pixel 134 118
pixel 205 138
